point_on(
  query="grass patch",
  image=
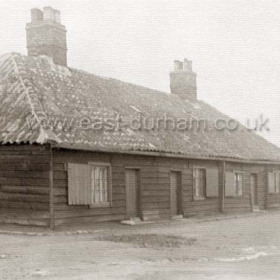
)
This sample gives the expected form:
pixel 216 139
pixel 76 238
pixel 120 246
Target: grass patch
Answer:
pixel 150 240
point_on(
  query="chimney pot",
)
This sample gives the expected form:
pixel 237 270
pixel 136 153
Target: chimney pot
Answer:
pixel 183 80
pixel 187 65
pixel 46 35
pixel 180 66
pixel 176 65
pixel 49 13
pixel 36 15
pixel 57 16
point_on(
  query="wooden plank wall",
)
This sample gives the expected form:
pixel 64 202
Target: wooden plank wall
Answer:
pixel 265 200
pixel 73 213
pixel 154 180
pixel 155 191
pixel 198 207
pixel 155 187
pixel 157 194
pixel 239 204
pixel 154 184
pixel 24 184
pixel 273 200
pixel 261 182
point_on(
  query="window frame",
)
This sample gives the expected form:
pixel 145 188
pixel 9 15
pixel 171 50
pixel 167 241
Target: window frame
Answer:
pixel 233 184
pixel 203 196
pixel 108 203
pixel 276 189
pixel 237 173
pixel 277 183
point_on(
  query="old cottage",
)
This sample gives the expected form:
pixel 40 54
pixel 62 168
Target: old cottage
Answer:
pixel 80 147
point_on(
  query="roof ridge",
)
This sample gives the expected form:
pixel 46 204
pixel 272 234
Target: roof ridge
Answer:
pixel 113 79
pixel 117 80
pixel 28 90
pixel 34 102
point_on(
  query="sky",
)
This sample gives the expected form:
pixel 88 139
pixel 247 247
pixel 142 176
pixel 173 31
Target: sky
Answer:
pixel 234 46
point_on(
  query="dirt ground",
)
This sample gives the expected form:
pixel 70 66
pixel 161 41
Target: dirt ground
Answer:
pixel 246 247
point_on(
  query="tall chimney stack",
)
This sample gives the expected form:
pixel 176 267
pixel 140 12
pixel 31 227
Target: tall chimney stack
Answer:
pixel 46 35
pixel 183 80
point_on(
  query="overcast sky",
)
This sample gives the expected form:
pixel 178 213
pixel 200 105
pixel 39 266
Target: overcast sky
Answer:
pixel 234 46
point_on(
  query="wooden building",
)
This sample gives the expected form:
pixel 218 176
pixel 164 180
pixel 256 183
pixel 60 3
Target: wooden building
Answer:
pixel 80 147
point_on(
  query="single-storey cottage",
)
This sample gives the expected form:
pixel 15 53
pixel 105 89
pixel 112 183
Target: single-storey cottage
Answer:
pixel 75 146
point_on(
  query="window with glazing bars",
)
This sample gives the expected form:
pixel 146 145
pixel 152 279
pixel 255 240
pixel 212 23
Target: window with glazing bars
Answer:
pixel 99 184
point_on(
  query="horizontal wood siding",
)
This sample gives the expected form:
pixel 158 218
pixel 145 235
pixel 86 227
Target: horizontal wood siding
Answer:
pixel 235 204
pixel 155 205
pixel 155 187
pixel 260 171
pixel 266 201
pixel 154 181
pixel 64 213
pixel 24 184
pixel 273 199
pixel 242 203
pixel 197 207
pixel 262 189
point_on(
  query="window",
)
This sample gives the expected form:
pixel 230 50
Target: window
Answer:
pixel 238 184
pixel 277 181
pixel 234 184
pixel 99 184
pixel 205 183
pixel 274 182
pixel 89 184
pixel 199 178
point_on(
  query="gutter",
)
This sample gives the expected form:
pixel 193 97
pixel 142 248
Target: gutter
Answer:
pixel 168 155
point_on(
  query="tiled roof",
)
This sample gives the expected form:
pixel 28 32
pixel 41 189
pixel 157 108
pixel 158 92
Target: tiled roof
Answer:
pixel 42 102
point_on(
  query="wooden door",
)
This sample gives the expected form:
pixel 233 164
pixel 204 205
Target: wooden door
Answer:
pixel 132 193
pixel 254 190
pixel 174 193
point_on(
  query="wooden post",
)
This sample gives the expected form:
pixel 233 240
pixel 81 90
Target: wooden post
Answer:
pixel 52 224
pixel 222 182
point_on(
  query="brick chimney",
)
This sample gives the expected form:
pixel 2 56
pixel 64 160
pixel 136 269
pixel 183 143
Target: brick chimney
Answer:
pixel 183 80
pixel 46 35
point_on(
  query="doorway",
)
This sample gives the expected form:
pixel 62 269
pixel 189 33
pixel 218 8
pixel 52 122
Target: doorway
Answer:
pixel 254 191
pixel 175 191
pixel 132 193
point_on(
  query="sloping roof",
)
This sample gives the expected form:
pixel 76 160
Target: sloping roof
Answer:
pixel 42 102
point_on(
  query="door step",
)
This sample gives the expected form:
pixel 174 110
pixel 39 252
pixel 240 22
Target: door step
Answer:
pixel 131 221
pixel 177 217
pixel 256 209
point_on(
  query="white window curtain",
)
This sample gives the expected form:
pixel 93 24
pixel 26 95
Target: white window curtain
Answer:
pixel 99 181
pixel 199 177
pixel 239 184
pixel 277 182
